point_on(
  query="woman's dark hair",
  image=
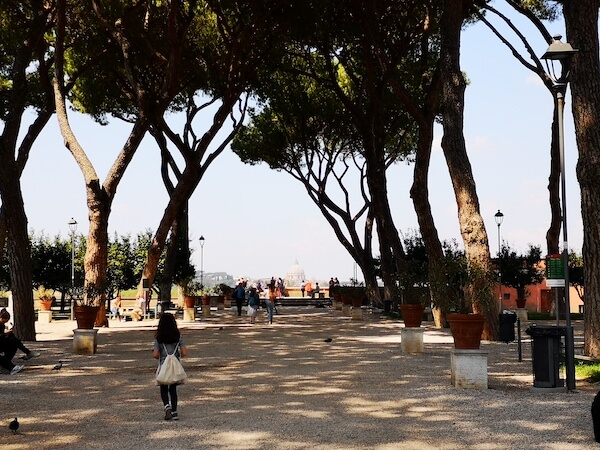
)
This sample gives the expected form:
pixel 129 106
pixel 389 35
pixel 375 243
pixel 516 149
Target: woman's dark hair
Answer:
pixel 167 331
pixel 4 314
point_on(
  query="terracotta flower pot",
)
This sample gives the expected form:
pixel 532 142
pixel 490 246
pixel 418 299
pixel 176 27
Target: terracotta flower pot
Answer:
pixel 45 305
pixel 412 315
pixel 85 316
pixel 356 302
pixel 466 330
pixel 189 301
pixel 205 300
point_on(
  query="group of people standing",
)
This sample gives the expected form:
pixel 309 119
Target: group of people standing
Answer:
pixel 253 295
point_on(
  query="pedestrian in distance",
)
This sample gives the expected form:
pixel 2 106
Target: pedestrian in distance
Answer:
pixel 253 304
pixel 239 294
pixel 303 287
pixel 168 340
pixel 270 302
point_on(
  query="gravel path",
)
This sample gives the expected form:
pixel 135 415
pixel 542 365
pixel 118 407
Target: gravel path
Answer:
pixel 283 387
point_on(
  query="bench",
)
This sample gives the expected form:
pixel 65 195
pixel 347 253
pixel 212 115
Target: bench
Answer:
pixel 126 314
pixel 303 301
pixel 587 359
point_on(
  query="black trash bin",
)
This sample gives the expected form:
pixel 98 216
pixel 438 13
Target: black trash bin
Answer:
pixel 507 322
pixel 387 306
pixel 545 354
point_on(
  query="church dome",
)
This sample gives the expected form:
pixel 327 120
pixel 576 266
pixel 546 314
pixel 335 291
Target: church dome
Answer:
pixel 295 275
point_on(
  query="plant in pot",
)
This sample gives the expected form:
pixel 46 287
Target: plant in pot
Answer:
pixel 223 291
pixel 413 305
pixel 87 302
pixel 205 294
pixel 353 295
pixel 334 292
pixel 45 296
pixel 191 290
pixel 414 286
pixel 520 271
pixel 463 282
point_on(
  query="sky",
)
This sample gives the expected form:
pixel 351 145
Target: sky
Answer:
pixel 257 222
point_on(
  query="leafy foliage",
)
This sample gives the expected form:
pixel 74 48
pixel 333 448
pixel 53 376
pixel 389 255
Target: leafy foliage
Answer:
pixel 520 270
pixel 415 281
pixel 576 278
pixel 51 261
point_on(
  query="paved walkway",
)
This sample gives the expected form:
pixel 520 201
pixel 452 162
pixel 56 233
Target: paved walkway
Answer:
pixel 283 387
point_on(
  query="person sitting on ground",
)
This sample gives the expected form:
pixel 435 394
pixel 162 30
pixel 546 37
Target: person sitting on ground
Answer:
pixel 139 309
pixel 309 288
pixel 114 308
pixel 9 344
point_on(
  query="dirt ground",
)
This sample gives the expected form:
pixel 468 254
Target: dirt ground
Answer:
pixel 282 386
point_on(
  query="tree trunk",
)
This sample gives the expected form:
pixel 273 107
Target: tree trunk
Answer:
pixel 19 253
pixel 581 19
pixel 553 233
pixel 390 247
pixel 3 232
pixel 177 250
pixel 13 220
pixel 419 193
pixel 96 253
pixel 453 144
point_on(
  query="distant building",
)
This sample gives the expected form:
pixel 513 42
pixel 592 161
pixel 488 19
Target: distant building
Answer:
pixel 295 275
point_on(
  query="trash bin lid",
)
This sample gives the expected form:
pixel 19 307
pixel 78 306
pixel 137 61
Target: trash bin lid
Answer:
pixel 546 331
pixel 507 317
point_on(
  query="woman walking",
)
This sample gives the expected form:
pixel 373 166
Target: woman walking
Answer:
pixel 168 340
pixel 270 301
pixel 253 304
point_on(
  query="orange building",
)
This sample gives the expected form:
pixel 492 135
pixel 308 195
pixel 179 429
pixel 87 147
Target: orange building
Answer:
pixel 541 298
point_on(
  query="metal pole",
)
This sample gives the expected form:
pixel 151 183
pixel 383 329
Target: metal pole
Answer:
pixel 569 344
pixel 72 272
pixel 202 261
pixel 519 347
pixel 500 266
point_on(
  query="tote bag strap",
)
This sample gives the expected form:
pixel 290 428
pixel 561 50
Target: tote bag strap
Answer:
pixel 174 351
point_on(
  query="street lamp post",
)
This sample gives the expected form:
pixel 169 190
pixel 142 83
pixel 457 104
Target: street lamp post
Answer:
pixel 201 260
pixel 73 228
pixel 499 218
pixel 563 52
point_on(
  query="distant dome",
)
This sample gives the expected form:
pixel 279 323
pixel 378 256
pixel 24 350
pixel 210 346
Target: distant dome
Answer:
pixel 295 275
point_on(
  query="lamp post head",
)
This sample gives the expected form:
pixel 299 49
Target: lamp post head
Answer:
pixel 72 225
pixel 201 241
pixel 498 217
pixel 562 52
pixel 559 50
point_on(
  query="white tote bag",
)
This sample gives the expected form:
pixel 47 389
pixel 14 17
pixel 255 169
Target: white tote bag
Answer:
pixel 170 371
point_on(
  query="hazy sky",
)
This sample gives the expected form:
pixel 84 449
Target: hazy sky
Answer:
pixel 257 222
